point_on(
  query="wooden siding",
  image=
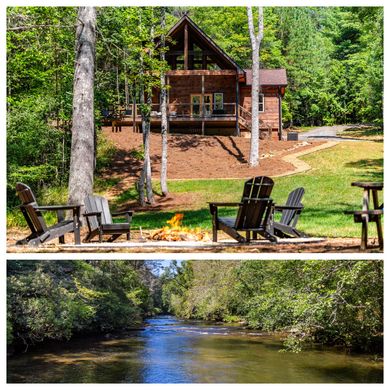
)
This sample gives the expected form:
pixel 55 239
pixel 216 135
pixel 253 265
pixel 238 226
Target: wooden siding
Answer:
pixel 270 116
pixel 181 89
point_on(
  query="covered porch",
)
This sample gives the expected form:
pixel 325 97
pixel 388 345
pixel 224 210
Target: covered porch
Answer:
pixel 196 99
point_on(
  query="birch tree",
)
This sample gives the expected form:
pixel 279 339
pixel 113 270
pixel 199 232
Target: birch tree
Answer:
pixel 255 43
pixel 163 110
pixel 82 160
pixel 147 80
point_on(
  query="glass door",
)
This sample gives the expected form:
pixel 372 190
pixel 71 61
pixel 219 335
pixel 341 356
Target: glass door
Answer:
pixel 196 105
pixel 208 102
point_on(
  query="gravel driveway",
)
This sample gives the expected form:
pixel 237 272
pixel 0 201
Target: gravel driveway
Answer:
pixel 326 133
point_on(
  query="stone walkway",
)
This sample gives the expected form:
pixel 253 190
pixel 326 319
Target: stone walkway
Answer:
pixel 300 165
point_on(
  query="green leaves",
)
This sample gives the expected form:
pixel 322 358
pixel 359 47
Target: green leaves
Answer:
pixel 55 300
pixel 333 302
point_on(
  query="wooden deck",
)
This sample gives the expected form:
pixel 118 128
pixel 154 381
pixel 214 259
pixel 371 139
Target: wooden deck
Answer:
pixel 175 122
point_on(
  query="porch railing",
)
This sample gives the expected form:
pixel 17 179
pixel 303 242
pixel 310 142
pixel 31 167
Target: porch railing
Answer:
pixel 175 110
pixel 183 110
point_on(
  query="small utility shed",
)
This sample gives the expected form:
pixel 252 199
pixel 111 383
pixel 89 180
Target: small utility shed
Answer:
pixel 209 92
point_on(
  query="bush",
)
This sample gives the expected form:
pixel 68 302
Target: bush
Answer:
pixel 55 300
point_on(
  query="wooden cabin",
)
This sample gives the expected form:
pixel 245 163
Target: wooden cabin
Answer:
pixel 209 92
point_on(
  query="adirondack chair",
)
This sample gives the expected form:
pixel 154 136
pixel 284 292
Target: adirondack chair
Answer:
pixel 252 214
pixel 290 212
pixel 40 232
pixel 99 219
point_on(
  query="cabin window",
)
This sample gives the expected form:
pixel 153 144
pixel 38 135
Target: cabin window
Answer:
pixel 207 104
pixel 201 107
pixel 180 62
pixel 261 102
pixel 218 101
pixel 211 65
pixel 196 105
pixel 197 57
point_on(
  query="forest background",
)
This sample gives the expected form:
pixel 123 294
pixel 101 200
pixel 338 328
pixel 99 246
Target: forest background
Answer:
pixel 333 57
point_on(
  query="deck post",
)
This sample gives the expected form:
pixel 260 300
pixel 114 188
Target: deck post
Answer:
pixel 186 47
pixel 134 113
pixel 237 103
pixel 203 108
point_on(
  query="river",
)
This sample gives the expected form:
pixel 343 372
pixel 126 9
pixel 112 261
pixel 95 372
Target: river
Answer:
pixel 170 350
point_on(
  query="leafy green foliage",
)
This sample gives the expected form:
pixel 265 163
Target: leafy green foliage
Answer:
pixel 333 57
pixel 57 299
pixel 332 302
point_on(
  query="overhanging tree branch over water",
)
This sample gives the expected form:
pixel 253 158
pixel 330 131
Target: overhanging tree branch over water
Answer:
pixel 334 302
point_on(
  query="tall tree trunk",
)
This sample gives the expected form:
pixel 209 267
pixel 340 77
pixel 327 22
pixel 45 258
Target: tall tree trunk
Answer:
pixel 147 164
pixel 141 182
pixel 145 181
pixel 145 92
pixel 127 95
pixel 83 126
pixel 163 110
pixel 255 42
pixel 118 93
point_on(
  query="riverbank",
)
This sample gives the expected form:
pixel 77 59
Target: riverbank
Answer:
pixel 170 350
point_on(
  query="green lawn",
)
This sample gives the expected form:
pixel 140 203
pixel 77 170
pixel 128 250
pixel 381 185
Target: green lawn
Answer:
pixel 364 132
pixel 327 185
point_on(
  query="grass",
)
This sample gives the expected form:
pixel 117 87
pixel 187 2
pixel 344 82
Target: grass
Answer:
pixel 328 192
pixel 363 132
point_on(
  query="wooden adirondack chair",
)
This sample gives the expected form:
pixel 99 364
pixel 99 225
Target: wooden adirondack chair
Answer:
pixel 40 232
pixel 252 215
pixel 99 219
pixel 290 212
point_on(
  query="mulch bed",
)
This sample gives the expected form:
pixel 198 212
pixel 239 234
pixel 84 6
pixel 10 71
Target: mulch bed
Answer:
pixel 198 157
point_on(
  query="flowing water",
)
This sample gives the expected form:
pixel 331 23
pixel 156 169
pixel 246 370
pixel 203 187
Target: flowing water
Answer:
pixel 170 350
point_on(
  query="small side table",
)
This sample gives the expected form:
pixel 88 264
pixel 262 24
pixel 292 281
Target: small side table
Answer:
pixel 367 214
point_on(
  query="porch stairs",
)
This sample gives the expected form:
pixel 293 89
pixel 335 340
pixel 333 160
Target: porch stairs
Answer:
pixel 244 118
pixel 245 122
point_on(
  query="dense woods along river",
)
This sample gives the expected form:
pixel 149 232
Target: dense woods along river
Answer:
pixel 170 350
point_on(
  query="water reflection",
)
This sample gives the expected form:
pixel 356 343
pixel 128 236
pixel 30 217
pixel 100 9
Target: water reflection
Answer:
pixel 175 351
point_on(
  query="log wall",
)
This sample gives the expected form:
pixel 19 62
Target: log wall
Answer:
pixel 270 116
pixel 181 88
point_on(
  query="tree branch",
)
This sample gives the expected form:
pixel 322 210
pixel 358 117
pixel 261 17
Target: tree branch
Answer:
pixel 29 27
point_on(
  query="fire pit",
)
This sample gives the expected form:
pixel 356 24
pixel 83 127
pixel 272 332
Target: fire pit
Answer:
pixel 174 231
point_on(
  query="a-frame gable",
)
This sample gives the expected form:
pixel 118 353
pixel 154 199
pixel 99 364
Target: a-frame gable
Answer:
pixel 187 37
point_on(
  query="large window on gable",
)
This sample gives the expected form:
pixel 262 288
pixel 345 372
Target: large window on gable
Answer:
pixel 180 62
pixel 261 102
pixel 197 58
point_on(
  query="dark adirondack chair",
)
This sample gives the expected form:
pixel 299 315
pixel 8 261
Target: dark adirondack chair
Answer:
pixel 40 232
pixel 290 212
pixel 99 220
pixel 252 214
